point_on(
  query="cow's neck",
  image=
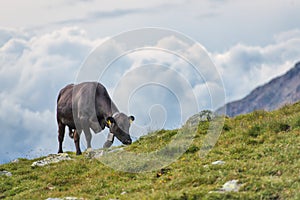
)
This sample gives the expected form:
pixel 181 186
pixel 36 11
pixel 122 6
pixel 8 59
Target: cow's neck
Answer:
pixel 115 114
pixel 114 110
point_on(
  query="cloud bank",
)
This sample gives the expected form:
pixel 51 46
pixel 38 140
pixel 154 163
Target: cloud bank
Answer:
pixel 245 67
pixel 32 70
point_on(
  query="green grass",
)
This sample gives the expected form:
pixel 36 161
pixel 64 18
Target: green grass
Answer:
pixel 261 150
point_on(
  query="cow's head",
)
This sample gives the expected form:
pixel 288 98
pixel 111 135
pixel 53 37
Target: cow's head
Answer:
pixel 119 125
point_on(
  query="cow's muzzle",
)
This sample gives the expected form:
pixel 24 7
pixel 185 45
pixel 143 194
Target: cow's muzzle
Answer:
pixel 127 142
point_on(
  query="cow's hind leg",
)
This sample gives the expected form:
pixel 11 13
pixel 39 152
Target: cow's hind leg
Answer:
pixel 77 141
pixel 61 135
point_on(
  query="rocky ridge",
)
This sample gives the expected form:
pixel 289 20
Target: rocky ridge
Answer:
pixel 278 92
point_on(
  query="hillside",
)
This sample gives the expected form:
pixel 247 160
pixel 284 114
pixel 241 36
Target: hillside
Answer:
pixel 260 150
pixel 278 92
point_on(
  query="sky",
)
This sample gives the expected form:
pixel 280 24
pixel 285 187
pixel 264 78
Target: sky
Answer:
pixel 44 45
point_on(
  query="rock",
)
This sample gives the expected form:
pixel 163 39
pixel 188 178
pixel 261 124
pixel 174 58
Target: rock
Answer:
pixel 5 173
pixel 193 120
pixel 50 187
pixel 205 115
pixel 15 161
pixel 52 158
pixel 124 192
pixel 231 186
pixel 98 153
pixel 218 162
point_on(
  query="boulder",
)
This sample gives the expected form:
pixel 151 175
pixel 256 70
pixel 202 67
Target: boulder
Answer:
pixel 52 158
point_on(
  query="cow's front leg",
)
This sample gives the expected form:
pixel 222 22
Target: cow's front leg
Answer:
pixel 77 141
pixel 95 126
pixel 109 140
pixel 86 129
pixel 88 137
pixel 61 135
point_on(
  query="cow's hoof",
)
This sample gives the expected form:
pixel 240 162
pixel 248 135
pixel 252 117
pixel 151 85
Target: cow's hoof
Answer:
pixel 60 152
pixel 78 153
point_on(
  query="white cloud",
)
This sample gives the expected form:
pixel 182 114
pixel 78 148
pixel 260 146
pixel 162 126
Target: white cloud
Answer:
pixel 33 69
pixel 245 67
pixel 24 130
pixel 287 35
pixel 165 75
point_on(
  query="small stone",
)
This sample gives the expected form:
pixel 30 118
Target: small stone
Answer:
pixel 231 186
pixel 124 192
pixel 15 161
pixel 53 199
pixel 50 187
pixel 279 173
pixel 218 162
pixel 5 173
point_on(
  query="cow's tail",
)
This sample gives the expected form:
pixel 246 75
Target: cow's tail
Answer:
pixel 58 97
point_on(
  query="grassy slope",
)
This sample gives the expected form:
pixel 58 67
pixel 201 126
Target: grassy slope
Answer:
pixel 256 148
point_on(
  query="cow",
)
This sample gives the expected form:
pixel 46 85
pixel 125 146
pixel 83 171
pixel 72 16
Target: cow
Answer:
pixel 86 106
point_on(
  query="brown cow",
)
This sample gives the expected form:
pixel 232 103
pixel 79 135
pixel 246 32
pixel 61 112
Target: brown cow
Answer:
pixel 88 106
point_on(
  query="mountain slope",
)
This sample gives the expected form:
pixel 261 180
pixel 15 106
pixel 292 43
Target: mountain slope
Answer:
pixel 273 95
pixel 260 150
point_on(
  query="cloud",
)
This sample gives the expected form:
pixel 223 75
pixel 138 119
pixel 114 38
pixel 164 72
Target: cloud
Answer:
pixel 245 67
pixel 32 71
pixel 99 15
pixel 8 33
pixel 287 35
pixel 24 131
pixel 119 11
pixel 94 16
pixel 166 76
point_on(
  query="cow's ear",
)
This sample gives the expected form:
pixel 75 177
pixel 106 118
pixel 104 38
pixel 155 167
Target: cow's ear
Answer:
pixel 109 121
pixel 131 118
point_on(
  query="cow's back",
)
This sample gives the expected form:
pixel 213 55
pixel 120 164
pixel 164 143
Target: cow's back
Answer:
pixel 88 100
